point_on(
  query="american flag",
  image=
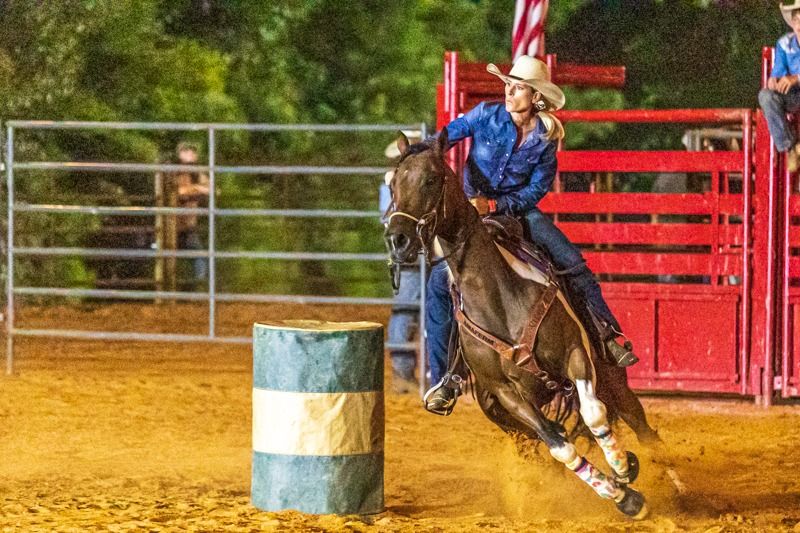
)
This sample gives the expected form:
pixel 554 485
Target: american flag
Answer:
pixel 528 34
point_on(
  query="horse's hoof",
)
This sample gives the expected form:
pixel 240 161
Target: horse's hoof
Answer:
pixel 633 504
pixel 633 470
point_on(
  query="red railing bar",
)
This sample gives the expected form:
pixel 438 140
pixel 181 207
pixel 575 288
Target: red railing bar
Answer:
pixel 773 211
pixel 721 115
pixel 649 161
pixel 631 203
pixel 676 291
pixel 647 233
pixel 747 173
pixel 648 263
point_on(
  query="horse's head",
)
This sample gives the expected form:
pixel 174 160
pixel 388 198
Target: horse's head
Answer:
pixel 418 188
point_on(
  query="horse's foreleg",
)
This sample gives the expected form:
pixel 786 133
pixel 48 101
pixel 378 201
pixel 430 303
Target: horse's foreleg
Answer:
pixel 495 412
pixel 593 412
pixel 628 405
pixel 628 500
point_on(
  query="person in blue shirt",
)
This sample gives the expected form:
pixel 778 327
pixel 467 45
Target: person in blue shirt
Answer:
pixel 782 93
pixel 511 166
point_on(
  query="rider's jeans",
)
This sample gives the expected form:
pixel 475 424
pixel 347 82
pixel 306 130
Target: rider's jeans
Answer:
pixel 775 106
pixel 583 289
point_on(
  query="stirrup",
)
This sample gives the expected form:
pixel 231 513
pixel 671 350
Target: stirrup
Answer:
pixel 441 398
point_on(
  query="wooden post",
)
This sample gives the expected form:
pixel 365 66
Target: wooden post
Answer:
pixel 158 232
pixel 170 232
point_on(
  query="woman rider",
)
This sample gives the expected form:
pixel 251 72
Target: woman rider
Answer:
pixel 511 166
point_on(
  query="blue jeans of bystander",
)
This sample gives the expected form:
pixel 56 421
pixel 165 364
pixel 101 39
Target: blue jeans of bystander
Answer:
pixel 404 323
pixel 775 107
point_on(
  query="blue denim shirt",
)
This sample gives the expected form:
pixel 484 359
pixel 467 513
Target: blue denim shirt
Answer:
pixel 516 178
pixel 787 56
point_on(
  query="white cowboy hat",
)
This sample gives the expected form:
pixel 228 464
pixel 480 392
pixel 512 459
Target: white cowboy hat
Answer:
pixel 531 71
pixel 786 11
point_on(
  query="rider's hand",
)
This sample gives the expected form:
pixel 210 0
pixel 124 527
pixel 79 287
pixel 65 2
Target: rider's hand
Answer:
pixel 772 84
pixel 786 82
pixel 482 204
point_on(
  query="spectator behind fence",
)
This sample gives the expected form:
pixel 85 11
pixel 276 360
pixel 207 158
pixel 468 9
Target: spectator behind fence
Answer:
pixel 188 189
pixel 404 320
pixel 782 94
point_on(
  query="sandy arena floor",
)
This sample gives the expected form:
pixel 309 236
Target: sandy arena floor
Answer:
pixel 156 437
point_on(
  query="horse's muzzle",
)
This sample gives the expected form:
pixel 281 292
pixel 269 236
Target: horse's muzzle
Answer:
pixel 403 248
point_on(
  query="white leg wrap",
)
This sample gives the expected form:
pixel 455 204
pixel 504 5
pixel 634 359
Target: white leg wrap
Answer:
pixel 593 411
pixel 594 415
pixel 603 486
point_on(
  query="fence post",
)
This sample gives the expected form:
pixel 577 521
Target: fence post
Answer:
pixel 10 253
pixel 212 205
pixel 158 233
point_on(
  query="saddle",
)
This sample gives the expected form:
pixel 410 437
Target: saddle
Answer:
pixel 507 232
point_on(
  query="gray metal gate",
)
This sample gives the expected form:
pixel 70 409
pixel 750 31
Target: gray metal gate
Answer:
pixel 212 296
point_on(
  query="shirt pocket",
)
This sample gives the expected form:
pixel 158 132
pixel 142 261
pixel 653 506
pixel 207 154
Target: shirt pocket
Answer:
pixel 486 146
pixel 531 154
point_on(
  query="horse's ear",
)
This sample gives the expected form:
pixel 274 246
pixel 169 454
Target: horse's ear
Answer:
pixel 402 143
pixel 442 143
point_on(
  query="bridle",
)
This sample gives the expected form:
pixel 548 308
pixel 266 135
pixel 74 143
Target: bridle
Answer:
pixel 425 230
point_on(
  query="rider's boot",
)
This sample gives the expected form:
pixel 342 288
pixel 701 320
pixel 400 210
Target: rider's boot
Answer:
pixel 622 354
pixel 441 398
pixel 616 354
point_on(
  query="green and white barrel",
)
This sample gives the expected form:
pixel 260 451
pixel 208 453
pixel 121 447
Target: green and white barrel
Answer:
pixel 318 417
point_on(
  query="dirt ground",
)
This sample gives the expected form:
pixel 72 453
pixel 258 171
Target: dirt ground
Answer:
pixel 156 437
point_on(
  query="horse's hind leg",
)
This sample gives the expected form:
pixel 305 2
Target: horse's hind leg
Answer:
pixel 627 404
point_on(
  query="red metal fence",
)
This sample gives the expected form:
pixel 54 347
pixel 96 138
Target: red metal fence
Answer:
pixel 706 282
pixel 784 189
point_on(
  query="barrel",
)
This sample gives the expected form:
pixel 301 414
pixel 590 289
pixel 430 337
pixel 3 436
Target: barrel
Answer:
pixel 318 417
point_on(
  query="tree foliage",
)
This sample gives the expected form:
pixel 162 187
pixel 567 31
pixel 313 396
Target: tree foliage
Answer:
pixel 320 61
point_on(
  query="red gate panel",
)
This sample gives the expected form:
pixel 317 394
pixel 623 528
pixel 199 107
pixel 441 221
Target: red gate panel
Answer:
pixel 675 267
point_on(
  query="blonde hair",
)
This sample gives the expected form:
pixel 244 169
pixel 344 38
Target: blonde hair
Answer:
pixel 554 128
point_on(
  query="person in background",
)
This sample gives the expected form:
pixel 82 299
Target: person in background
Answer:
pixel 404 320
pixel 782 93
pixel 192 192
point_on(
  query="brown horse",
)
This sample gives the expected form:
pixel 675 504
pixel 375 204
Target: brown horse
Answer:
pixel 428 202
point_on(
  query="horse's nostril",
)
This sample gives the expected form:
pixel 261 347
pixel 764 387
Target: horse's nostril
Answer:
pixel 399 241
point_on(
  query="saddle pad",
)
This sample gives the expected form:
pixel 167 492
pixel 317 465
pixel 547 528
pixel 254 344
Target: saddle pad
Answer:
pixel 523 269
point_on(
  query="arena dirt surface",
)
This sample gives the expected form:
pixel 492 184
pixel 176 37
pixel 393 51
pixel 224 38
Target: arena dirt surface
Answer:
pixel 156 437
